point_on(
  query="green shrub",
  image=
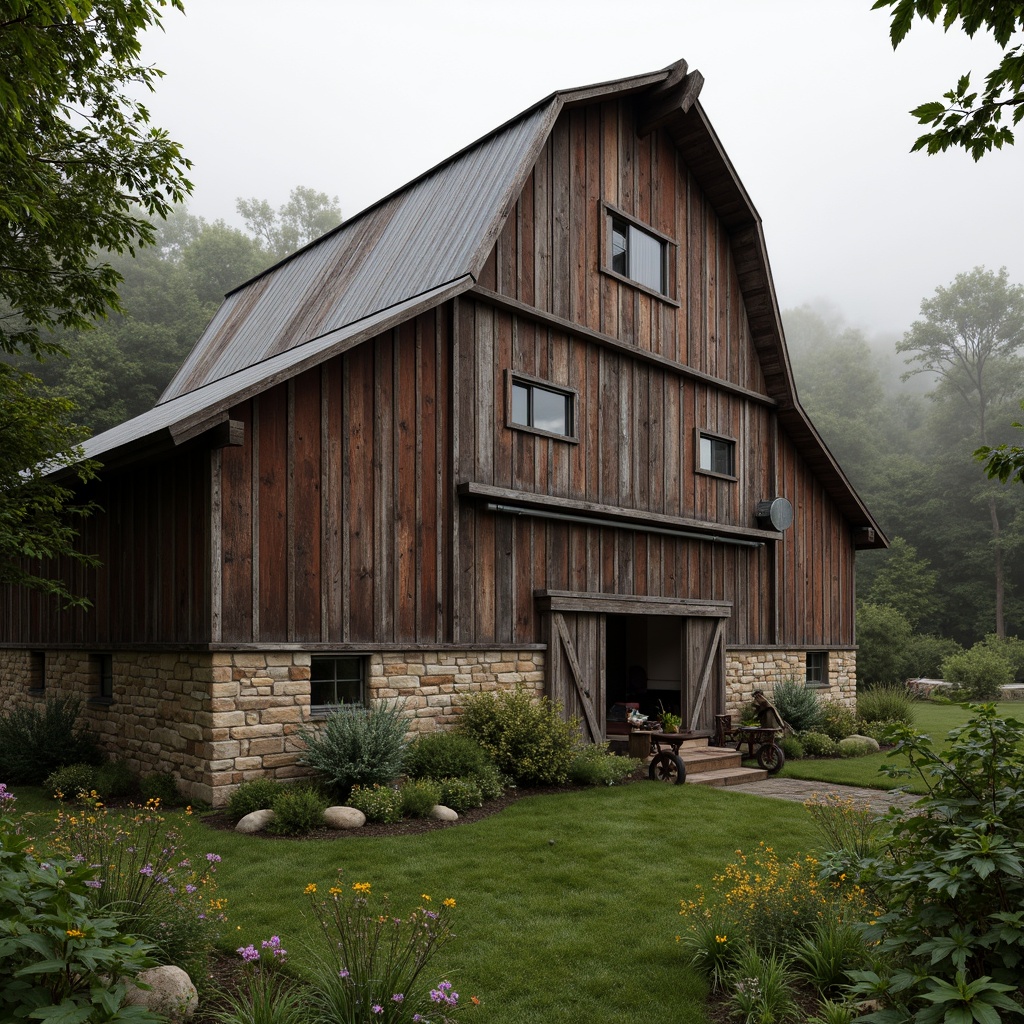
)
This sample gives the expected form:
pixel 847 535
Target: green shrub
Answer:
pixel 792 748
pixel 948 878
pixel 798 705
pixel 530 741
pixel 34 743
pixel 255 795
pixel 1010 647
pixel 925 655
pixel 880 731
pixel 379 803
pixel 893 703
pixel 855 746
pixel 490 781
pixel 817 744
pixel 444 755
pixel 161 786
pixel 297 809
pixel 67 782
pixel 837 720
pixel 420 797
pixel 979 672
pixel 115 780
pixel 358 746
pixel 884 636
pixel 460 794
pixel 61 959
pixel 595 765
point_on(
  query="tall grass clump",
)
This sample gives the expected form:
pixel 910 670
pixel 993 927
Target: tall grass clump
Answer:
pixel 357 746
pixel 146 879
pixel 890 703
pixel 36 742
pixel 530 741
pixel 797 705
pixel 371 960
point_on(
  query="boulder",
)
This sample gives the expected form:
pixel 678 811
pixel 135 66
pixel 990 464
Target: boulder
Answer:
pixel 344 817
pixel 170 994
pixel 256 821
pixel 443 813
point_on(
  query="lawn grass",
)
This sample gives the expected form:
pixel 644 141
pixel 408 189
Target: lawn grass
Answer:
pixel 936 720
pixel 579 929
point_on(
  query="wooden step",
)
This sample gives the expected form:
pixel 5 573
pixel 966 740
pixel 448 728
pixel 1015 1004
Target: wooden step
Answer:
pixel 726 777
pixel 709 759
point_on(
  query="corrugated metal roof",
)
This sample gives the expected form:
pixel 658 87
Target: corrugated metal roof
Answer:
pixel 418 239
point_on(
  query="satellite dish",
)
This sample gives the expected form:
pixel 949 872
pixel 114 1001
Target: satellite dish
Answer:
pixel 774 514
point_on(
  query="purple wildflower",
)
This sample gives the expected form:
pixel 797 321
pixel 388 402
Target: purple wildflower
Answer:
pixel 213 858
pixel 248 953
pixel 343 973
pixel 398 997
pixel 377 1008
pixel 190 889
pixel 5 795
pixel 94 883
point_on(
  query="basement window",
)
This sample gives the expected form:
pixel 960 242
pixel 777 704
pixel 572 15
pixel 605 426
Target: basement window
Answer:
pixel 816 673
pixel 716 455
pixel 103 672
pixel 37 672
pixel 536 405
pixel 334 680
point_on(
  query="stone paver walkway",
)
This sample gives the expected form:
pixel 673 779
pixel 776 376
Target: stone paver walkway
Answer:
pixel 800 790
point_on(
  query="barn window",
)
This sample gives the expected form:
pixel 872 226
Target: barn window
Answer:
pixel 336 679
pixel 638 254
pixel 37 672
pixel 103 669
pixel 539 406
pixel 717 455
pixel 817 668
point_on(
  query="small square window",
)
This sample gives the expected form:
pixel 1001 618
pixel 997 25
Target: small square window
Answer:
pixel 542 408
pixel 638 255
pixel 717 455
pixel 817 668
pixel 336 679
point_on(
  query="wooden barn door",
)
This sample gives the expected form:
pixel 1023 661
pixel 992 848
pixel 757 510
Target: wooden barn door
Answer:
pixel 575 668
pixel 703 694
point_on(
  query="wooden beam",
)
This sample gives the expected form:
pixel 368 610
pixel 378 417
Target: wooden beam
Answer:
pixel 663 104
pixel 620 604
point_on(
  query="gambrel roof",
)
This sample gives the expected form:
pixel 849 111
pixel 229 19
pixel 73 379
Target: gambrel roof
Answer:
pixel 428 242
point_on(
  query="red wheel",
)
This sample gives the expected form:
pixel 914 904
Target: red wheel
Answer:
pixel 667 767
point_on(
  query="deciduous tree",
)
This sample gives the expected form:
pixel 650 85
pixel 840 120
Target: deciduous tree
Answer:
pixel 969 117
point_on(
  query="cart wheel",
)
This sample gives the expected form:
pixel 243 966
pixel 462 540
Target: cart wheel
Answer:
pixel 771 758
pixel 667 767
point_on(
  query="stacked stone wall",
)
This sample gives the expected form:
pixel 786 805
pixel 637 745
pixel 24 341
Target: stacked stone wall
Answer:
pixel 748 670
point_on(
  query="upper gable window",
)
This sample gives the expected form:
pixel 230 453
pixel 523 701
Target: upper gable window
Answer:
pixel 536 405
pixel 638 253
pixel 716 455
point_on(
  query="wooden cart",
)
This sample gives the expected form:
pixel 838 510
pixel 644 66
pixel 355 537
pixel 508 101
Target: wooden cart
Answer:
pixel 761 742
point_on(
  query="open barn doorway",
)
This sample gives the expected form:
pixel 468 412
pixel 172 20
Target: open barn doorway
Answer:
pixel 604 651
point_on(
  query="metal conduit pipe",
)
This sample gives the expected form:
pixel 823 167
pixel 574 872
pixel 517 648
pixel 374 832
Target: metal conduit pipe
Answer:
pixel 568 517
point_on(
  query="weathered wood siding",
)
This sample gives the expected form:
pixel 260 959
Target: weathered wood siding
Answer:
pixel 337 510
pixel 150 532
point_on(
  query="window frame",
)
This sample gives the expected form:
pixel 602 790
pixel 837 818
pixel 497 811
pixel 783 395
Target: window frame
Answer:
pixel 103 667
pixel 514 377
pixel 819 668
pixel 37 672
pixel 713 437
pixel 610 214
pixel 322 710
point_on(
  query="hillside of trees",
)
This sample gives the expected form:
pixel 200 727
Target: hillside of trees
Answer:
pixel 902 419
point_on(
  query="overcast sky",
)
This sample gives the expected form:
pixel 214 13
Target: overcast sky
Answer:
pixel 807 96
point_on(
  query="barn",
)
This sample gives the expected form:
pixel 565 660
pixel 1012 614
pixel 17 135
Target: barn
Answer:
pixel 529 420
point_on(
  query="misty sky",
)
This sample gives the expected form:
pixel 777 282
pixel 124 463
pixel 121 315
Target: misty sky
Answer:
pixel 807 96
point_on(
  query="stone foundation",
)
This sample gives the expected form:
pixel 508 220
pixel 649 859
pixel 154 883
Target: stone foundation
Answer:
pixel 217 719
pixel 750 669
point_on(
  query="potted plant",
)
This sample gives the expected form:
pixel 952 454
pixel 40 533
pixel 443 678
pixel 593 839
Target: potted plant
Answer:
pixel 669 721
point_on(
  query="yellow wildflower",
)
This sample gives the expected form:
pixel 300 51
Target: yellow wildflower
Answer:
pixel 448 902
pixel 310 889
pixel 362 887
pixel 74 933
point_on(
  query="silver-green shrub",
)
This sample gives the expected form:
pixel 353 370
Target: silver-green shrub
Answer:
pixel 357 746
pixel 798 705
